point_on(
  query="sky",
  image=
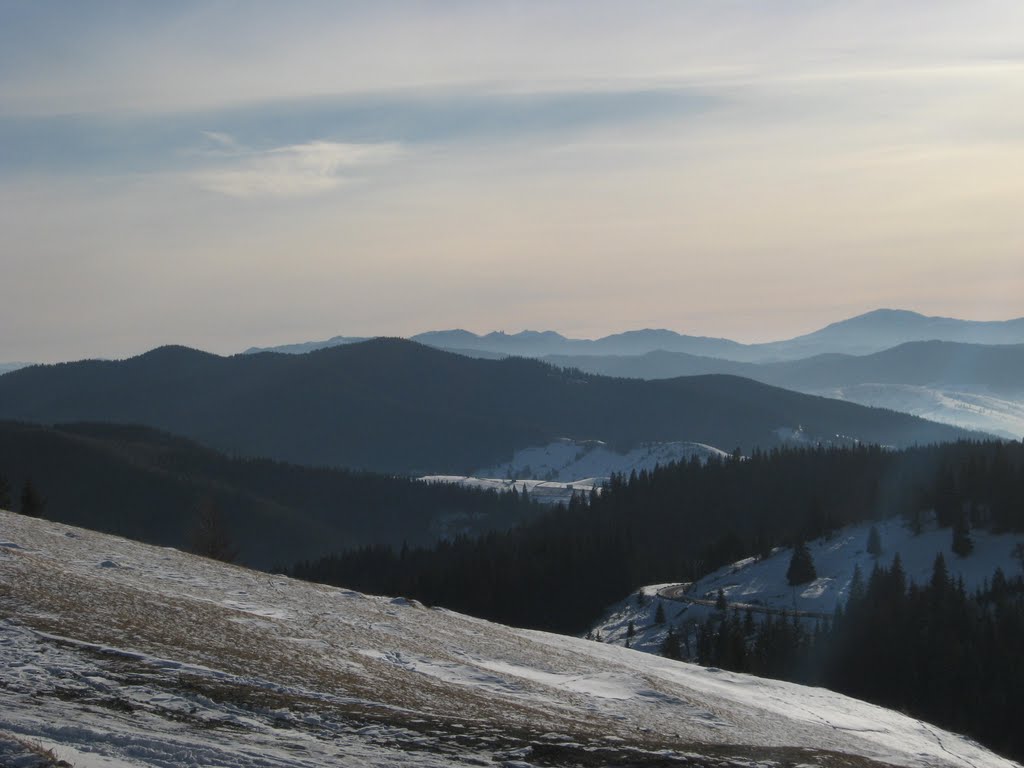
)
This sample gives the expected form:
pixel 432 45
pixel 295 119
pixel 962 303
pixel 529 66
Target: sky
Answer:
pixel 232 173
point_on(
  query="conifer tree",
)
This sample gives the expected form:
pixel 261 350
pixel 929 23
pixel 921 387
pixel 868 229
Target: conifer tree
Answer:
pixel 874 545
pixel 856 590
pixel 896 578
pixel 5 493
pixel 720 602
pixel 659 614
pixel 962 543
pixel 32 504
pixel 940 575
pixel 801 566
pixel 670 647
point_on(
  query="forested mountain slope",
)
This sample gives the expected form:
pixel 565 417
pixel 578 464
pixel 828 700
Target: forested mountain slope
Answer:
pixel 398 406
pixel 150 486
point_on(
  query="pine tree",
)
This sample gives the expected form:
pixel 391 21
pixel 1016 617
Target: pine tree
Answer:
pixel 659 614
pixel 32 504
pixel 801 566
pixel 856 590
pixel 720 602
pixel 5 493
pixel 670 647
pixel 874 546
pixel 962 543
pixel 630 629
pixel 896 578
pixel 940 575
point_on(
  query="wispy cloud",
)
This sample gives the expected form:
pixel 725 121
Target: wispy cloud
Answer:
pixel 297 170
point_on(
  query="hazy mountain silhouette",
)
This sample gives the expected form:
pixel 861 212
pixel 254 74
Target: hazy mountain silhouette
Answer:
pixel 308 346
pixel 864 334
pixel 539 343
pixel 885 328
pixel 925 363
pixel 398 406
pixel 972 385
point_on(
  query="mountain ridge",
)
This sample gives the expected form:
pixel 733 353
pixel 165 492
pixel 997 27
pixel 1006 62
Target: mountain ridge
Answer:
pixel 866 333
pixel 397 406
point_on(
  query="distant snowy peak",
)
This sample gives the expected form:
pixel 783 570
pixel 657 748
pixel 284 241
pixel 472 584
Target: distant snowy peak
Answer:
pixel 567 460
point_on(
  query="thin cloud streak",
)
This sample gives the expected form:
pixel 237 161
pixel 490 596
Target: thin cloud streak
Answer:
pixel 298 170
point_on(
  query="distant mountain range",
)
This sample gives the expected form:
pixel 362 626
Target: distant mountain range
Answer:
pixel 398 406
pixel 871 332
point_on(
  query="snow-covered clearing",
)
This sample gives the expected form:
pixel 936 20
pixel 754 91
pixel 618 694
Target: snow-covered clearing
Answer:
pixel 544 491
pixel 566 460
pixel 115 654
pixel 554 473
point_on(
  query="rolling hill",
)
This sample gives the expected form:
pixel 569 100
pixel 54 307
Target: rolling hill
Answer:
pixel 397 406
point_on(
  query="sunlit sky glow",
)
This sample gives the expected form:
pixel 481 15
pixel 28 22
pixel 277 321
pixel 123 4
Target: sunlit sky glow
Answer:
pixel 227 174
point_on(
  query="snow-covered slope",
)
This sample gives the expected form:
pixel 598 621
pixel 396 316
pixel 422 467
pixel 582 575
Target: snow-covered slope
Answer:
pixel 568 460
pixel 762 583
pixel 970 408
pixel 116 653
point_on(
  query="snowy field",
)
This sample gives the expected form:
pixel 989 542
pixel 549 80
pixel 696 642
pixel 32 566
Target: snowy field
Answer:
pixel 567 461
pixel 116 654
pixel 763 584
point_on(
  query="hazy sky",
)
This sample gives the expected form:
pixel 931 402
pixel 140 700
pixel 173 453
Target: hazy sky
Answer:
pixel 223 174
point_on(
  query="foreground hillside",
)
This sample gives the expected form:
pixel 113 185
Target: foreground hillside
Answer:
pixel 118 653
pixel 397 406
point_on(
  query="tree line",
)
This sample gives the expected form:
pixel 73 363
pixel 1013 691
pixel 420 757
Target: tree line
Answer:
pixel 30 502
pixel 678 522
